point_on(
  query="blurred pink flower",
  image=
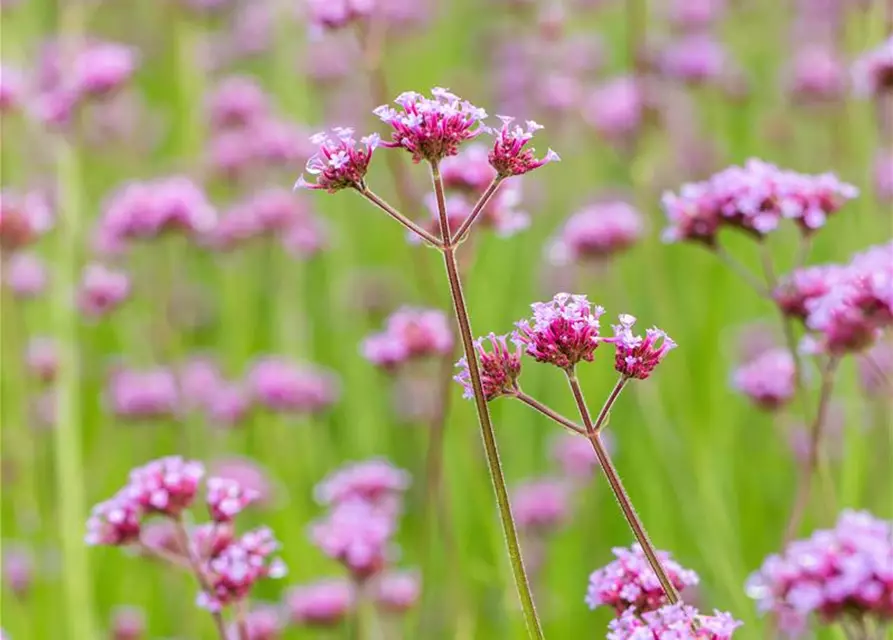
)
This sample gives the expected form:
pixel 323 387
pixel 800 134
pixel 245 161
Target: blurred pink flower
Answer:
pixel 321 604
pixel 237 101
pixel 41 358
pixel 102 290
pixel 817 73
pixel 397 591
pixel 768 380
pixel 25 274
pixel 149 394
pixel 18 569
pixel 248 474
pixel 357 534
pixel 128 623
pixel 541 505
pixel 615 109
pixel 597 232
pixel 375 481
pixel 873 71
pixel 883 175
pixel 286 387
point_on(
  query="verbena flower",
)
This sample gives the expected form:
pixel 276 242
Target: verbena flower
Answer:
pixel 397 591
pixel 375 481
pixel 226 498
pixel 320 604
pixel 695 58
pixel 563 331
pixel 237 101
pixel 597 232
pixel 798 288
pixel 541 505
pixel 616 108
pixel 250 475
pixel 816 74
pixel 409 334
pixel 337 14
pixel 286 387
pixel 500 367
pixel 42 359
pixel 510 155
pixel 838 574
pixel 356 533
pixel 635 356
pixel 575 455
pixel 768 380
pixel 102 68
pixel 128 623
pixel 469 171
pixel 12 89
pixel 166 486
pixel 629 582
pixel 264 622
pixel 431 128
pixel 339 163
pixel 18 569
pixel 102 290
pixel 114 522
pixel 150 394
pixel 692 15
pixel 873 72
pixel 676 622
pixel 26 275
pixel 24 217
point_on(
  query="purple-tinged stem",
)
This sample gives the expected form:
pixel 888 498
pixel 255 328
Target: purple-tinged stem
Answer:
pixel 379 202
pixel 610 471
pixel 479 206
pixel 488 435
pixel 195 565
pixel 816 430
pixel 550 413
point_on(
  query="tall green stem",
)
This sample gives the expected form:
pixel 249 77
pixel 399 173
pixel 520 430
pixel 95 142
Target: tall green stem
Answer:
pixel 487 433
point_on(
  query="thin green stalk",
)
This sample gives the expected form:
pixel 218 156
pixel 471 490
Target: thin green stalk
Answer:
pixel 550 413
pixel 488 435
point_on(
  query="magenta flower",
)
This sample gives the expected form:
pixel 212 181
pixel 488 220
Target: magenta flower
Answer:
pixel 234 571
pixel 375 481
pixel 500 367
pixel 263 623
pixel 150 394
pixel 25 274
pixel 18 569
pixel 694 58
pixel 797 289
pixel 597 232
pixel 321 604
pixel 356 533
pixel 409 334
pixel 541 505
pixel 114 522
pixel 575 456
pixel 509 155
pixel 636 357
pixel 336 14
pixel 228 405
pixel 237 101
pixel 678 621
pixel 629 582
pixel 165 486
pixel 563 331
pixel 768 380
pixel 873 72
pixel 102 68
pixel 227 498
pixel 432 128
pixel 102 290
pixel 339 163
pixel 247 474
pixel 616 109
pixel 397 591
pixel 286 387
pixel 198 377
pixel 41 358
pixel 817 74
pixel 23 218
pixel 128 623
pixel 691 15
pixel 836 575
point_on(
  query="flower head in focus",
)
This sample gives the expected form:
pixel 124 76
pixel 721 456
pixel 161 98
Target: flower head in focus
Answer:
pixel 563 331
pixel 635 356
pixel 510 155
pixel 339 163
pixel 166 486
pixel 499 367
pixel 431 128
pixel 676 622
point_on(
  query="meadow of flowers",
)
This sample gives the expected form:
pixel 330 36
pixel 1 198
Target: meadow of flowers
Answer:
pixel 385 319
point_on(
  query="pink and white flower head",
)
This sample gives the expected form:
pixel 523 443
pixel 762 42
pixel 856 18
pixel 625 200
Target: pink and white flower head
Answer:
pixel 541 505
pixel 510 155
pixel 676 622
pixel 817 74
pixel 615 109
pixel 356 533
pixel 563 331
pixel 397 591
pixel 227 498
pixel 102 68
pixel 844 573
pixel 635 356
pixel 500 367
pixel 768 380
pixel 237 101
pixel 41 358
pixel 286 387
pixel 114 522
pixel 410 333
pixel 25 274
pixel 165 486
pixel 143 394
pixel 883 176
pixel 263 622
pixel 128 623
pixel 23 218
pixel 598 232
pixel 336 14
pixel 432 128
pixel 801 286
pixel 873 72
pixel 575 456
pixel 339 163
pixel 320 604
pixel 102 290
pixel 12 89
pixel 629 582
pixel 248 474
pixel 469 171
pixel 211 538
pixel 376 481
pixel 233 572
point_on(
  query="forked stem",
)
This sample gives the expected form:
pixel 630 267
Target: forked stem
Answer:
pixel 487 433
pixel 535 404
pixel 479 206
pixel 195 564
pixel 382 204
pixel 607 465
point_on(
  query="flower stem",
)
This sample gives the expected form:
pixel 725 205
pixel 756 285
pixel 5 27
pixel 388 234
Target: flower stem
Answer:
pixel 817 428
pixel 550 413
pixel 488 193
pixel 195 564
pixel 488 435
pixel 727 259
pixel 242 621
pixel 613 478
pixel 379 202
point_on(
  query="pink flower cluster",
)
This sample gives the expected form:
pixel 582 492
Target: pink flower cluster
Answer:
pixel 510 155
pixel 339 163
pixel 635 356
pixel 285 387
pixel 376 481
pixel 541 505
pixel 409 334
pixel 24 217
pixel 768 380
pixel 846 307
pixel 102 290
pixel 25 274
pixel 336 14
pixel 597 232
pixel 563 331
pixel 616 108
pixel 324 603
pixel 676 622
pixel 146 210
pixel 841 573
pixel 754 198
pixel 500 367
pixel 500 214
pixel 629 582
pixel 147 394
pixel 873 72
